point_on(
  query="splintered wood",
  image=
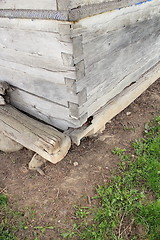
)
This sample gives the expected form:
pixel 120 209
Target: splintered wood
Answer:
pixel 46 141
pixel 3 88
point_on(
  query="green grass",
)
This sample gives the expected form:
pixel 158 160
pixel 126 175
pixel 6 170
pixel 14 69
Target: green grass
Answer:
pixel 129 205
pixel 14 225
pixel 5 233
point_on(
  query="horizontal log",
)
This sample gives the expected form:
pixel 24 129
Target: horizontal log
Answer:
pixel 46 141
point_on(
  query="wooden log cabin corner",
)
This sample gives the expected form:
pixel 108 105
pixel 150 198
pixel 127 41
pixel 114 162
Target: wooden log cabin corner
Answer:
pixel 68 61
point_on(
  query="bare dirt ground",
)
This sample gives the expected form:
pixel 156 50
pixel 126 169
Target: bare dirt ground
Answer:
pixel 73 181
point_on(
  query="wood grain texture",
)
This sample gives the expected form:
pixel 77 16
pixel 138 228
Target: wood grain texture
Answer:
pixel 32 59
pixel 116 105
pixel 117 49
pixel 98 4
pixel 38 137
pixel 52 113
pixel 88 8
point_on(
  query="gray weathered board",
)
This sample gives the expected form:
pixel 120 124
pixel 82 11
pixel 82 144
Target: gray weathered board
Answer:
pixel 62 72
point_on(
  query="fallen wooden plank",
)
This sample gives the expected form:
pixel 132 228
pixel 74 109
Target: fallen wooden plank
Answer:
pixel 46 141
pixel 115 106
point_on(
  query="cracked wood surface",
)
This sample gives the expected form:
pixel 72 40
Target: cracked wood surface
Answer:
pixel 115 50
pixel 116 105
pixel 48 142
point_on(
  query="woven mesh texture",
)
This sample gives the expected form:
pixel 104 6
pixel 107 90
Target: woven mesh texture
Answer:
pixel 34 14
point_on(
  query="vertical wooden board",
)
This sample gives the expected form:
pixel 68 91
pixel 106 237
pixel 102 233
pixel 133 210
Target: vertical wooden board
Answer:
pixel 29 4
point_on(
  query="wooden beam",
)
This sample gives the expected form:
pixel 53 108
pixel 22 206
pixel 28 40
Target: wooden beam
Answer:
pixel 46 141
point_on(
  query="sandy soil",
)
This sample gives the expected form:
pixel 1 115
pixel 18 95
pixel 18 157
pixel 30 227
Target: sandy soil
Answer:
pixel 73 181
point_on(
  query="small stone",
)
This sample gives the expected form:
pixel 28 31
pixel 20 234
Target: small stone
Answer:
pixel 128 113
pixel 8 145
pixel 23 169
pixel 75 164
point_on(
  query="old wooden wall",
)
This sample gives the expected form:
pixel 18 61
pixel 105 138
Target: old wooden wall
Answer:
pixel 64 71
pixel 113 50
pixel 36 58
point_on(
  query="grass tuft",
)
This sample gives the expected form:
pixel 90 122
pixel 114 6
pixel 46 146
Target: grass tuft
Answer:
pixel 129 205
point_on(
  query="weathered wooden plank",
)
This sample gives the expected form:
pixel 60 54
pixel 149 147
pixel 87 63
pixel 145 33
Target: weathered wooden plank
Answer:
pixel 116 105
pixel 115 20
pixel 32 58
pixel 40 82
pixel 100 98
pixel 39 43
pixel 29 24
pixel 115 57
pixel 52 113
pixel 121 56
pixel 40 138
pixel 83 8
pixel 43 63
pixel 29 4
